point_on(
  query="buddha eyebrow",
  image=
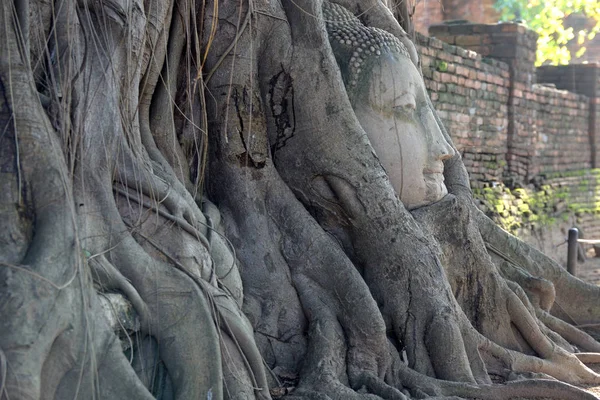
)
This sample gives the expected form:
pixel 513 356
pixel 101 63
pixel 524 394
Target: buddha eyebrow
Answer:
pixel 408 91
pixel 404 95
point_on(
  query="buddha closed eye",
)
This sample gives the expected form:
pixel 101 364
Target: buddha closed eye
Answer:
pixel 390 101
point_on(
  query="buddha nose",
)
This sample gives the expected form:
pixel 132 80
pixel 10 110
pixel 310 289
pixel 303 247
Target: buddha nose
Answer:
pixel 441 149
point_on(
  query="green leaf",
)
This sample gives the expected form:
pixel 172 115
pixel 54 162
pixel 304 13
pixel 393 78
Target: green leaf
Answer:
pixel 547 19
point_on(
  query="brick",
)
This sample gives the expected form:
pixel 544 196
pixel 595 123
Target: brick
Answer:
pixel 435 43
pixel 461 29
pixel 463 53
pixel 471 40
pixel 483 50
pixel 439 29
pixel 450 39
pixel 509 27
pixel 462 71
pixel 549 127
pixel 504 50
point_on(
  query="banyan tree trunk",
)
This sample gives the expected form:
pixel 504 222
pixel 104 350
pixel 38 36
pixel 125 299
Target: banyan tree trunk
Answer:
pixel 191 209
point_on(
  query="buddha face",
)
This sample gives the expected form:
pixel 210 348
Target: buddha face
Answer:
pixel 392 108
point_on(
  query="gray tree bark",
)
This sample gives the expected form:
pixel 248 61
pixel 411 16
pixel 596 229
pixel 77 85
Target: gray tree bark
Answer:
pixel 304 275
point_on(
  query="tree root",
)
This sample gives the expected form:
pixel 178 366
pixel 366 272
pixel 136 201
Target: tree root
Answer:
pixel 537 388
pixel 364 361
pixel 576 302
pixel 377 281
pixel 116 377
pixel 109 278
pixel 162 124
pixel 183 224
pixel 588 358
pixel 582 340
pixel 449 362
pixel 222 309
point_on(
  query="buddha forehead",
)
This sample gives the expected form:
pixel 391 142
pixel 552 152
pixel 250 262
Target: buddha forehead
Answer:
pixel 357 47
pixel 393 80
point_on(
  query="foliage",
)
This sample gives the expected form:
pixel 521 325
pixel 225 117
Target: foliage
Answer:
pixel 547 19
pixel 527 207
pixel 564 195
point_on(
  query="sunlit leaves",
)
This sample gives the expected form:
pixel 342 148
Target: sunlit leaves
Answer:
pixel 547 19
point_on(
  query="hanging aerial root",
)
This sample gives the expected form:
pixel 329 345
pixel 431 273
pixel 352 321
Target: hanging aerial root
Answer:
pixel 183 224
pixel 159 184
pixel 109 278
pixel 242 337
pixel 3 390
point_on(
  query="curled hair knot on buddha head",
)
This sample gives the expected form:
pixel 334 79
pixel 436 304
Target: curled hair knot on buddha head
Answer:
pixel 357 47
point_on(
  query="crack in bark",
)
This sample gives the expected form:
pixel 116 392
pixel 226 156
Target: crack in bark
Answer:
pixel 281 103
pixel 239 102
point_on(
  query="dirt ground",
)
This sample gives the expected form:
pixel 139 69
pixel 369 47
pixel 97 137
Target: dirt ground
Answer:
pixel 595 389
pixel 589 270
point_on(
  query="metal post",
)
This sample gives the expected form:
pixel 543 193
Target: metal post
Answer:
pixel 572 251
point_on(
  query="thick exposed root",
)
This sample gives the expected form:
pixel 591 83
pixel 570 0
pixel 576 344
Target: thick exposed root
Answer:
pixel 109 278
pixel 347 340
pixel 449 362
pixel 576 302
pixel 324 368
pixel 582 340
pixel 508 308
pixel 538 388
pixel 50 341
pixel 561 365
pixel 364 281
pixel 588 358
pixel 383 238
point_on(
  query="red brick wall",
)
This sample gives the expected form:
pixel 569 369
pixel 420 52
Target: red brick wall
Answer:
pixel 583 79
pixel 427 13
pixel 481 11
pixel 508 42
pixel 504 125
pixel 513 132
pixel 471 97
pixel 551 132
pixel 431 12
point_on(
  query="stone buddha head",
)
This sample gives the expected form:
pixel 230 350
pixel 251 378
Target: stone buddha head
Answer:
pixel 389 99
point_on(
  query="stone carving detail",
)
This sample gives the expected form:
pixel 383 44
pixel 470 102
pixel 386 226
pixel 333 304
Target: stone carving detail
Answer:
pixel 389 99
